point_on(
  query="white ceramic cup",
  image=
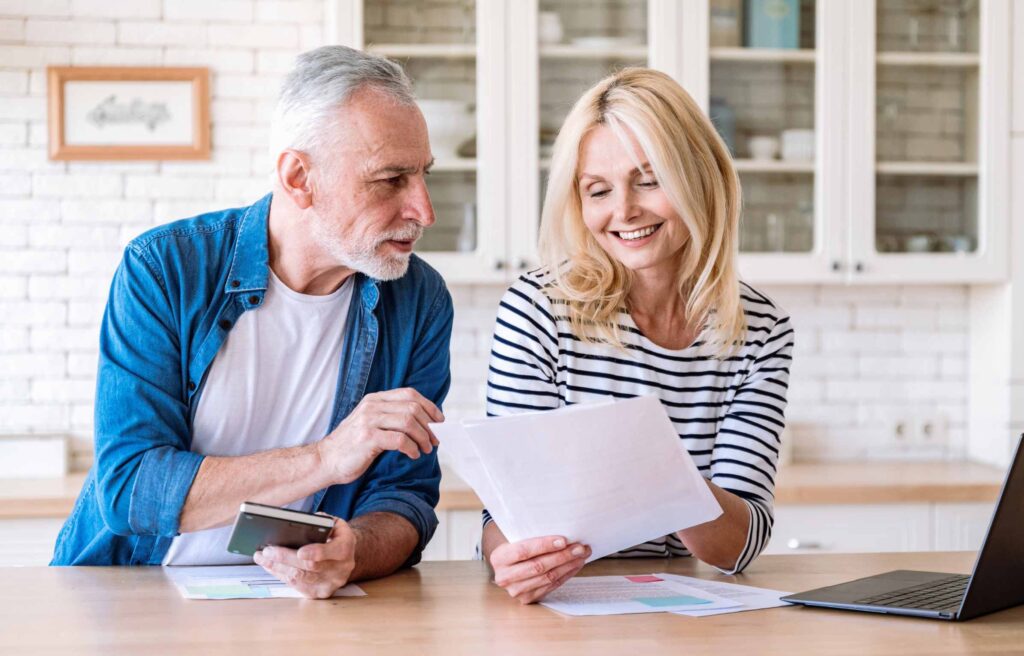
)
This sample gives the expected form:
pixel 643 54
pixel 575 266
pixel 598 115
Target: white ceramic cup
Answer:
pixel 798 145
pixel 763 147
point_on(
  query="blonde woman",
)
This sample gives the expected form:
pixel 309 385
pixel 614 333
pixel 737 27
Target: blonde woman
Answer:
pixel 639 295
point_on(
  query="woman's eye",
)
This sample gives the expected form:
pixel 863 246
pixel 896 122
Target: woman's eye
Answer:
pixel 649 183
pixel 600 193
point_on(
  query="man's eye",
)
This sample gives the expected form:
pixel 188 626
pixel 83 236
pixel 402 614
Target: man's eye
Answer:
pixel 395 181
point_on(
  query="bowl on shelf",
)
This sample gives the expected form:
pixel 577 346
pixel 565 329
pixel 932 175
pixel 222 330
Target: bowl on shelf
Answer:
pixel 449 124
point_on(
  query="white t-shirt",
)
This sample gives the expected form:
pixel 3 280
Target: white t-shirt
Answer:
pixel 271 386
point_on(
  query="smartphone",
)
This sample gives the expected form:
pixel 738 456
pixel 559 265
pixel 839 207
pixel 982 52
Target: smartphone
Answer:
pixel 259 526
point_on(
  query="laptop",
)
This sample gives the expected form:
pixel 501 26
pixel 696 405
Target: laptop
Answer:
pixel 996 583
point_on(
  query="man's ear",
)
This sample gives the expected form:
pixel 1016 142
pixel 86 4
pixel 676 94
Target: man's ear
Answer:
pixel 293 175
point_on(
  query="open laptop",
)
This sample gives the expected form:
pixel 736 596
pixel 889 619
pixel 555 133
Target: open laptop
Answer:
pixel 996 583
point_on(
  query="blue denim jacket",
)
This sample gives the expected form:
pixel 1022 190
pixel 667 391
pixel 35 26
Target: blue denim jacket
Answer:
pixel 178 291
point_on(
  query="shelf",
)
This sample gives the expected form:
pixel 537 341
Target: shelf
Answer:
pixel 582 52
pixel 772 166
pixel 965 169
pixel 429 50
pixel 446 164
pixel 938 59
pixel 785 55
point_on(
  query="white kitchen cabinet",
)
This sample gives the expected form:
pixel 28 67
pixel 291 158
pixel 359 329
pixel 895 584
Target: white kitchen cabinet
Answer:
pixel 28 542
pixel 905 103
pixel 960 526
pixel 457 536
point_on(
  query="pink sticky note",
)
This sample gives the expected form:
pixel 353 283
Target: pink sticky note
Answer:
pixel 646 578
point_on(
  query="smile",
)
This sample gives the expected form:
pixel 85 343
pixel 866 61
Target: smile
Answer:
pixel 635 235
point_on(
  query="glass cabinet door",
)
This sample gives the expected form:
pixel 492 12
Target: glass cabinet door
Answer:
pixel 762 101
pixel 436 44
pixel 926 126
pixel 580 43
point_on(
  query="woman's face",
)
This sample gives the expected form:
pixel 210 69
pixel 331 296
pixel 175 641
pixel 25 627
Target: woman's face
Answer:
pixel 625 208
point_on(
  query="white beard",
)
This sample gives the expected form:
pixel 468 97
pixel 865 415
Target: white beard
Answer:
pixel 362 256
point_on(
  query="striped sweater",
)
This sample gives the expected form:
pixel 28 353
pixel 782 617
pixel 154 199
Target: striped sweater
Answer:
pixel 729 413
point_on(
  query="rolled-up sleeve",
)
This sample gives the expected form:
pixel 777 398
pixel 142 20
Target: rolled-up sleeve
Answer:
pixel 395 483
pixel 144 468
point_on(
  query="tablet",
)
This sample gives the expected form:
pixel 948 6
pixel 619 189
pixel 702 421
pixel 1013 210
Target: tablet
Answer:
pixel 259 526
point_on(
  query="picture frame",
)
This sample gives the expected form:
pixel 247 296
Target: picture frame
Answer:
pixel 128 113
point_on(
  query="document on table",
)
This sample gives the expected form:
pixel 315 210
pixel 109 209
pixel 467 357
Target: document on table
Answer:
pixel 611 475
pixel 237 582
pixel 747 597
pixel 619 595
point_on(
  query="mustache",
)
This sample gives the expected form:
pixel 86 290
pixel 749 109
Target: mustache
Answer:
pixel 412 233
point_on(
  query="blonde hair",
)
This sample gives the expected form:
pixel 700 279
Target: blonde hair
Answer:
pixel 692 166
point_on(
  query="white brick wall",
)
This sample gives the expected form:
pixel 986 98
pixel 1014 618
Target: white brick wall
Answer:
pixel 867 358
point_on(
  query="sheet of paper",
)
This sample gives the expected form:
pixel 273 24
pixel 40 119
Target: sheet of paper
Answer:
pixel 749 598
pixel 237 582
pixel 620 595
pixel 610 475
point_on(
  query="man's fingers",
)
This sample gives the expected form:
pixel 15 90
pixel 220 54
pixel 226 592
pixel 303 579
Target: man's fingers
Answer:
pixel 515 552
pixel 291 558
pixel 534 567
pixel 397 441
pixel 404 423
pixel 410 394
pixel 411 409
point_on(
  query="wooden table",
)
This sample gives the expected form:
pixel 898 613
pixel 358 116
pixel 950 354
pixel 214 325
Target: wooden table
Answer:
pixel 452 608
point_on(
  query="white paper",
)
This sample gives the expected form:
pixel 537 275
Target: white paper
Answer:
pixel 749 598
pixel 609 475
pixel 620 595
pixel 238 582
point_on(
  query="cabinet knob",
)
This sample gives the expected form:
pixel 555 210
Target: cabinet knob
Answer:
pixel 521 264
pixel 859 267
pixel 796 543
pixel 837 265
pixel 499 265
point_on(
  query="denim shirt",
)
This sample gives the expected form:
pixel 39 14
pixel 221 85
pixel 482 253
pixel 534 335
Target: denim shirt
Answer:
pixel 175 296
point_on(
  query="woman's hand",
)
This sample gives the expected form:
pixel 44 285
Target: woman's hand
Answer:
pixel 530 569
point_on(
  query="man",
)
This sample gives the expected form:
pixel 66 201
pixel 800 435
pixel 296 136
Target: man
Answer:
pixel 235 341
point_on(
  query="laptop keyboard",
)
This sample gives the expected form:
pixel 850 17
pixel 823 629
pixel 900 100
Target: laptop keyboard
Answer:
pixel 937 595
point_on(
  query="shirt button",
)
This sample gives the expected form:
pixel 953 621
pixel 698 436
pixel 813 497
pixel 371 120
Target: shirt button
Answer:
pixel 224 323
pixel 235 283
pixel 191 386
pixel 253 300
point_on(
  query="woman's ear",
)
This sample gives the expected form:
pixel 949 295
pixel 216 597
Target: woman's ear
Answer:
pixel 293 176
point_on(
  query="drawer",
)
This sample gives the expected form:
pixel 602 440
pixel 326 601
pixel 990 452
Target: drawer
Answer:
pixel 846 528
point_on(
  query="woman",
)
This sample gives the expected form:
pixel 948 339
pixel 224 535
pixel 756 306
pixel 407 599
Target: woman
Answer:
pixel 639 295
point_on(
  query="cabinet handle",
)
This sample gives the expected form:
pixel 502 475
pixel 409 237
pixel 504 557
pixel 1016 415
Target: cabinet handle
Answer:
pixel 837 265
pixel 499 265
pixel 521 264
pixel 795 543
pixel 859 267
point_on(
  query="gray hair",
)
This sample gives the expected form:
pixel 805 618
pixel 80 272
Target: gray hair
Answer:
pixel 321 81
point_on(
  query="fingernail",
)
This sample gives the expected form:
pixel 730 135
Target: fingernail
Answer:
pixel 268 552
pixel 578 550
pixel 559 543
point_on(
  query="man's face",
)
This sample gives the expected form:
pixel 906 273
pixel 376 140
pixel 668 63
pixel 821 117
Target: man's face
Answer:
pixel 370 195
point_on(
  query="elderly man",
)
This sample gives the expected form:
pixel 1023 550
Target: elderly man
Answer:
pixel 289 353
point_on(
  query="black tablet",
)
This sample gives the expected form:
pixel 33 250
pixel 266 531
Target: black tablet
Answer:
pixel 259 526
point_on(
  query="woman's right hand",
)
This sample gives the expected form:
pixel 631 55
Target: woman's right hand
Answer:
pixel 530 569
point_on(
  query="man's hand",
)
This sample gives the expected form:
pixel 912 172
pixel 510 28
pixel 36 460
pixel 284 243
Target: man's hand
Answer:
pixel 315 570
pixel 395 420
pixel 530 569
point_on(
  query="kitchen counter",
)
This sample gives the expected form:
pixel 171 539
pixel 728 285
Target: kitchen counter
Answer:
pixel 799 483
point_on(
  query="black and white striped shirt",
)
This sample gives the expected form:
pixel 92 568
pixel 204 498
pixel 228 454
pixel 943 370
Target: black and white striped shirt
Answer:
pixel 729 413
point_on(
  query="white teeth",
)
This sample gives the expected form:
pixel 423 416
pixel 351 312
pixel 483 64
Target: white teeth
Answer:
pixel 638 234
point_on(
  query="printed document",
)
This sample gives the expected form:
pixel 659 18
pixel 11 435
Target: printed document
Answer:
pixel 611 475
pixel 238 582
pixel 619 595
pixel 747 597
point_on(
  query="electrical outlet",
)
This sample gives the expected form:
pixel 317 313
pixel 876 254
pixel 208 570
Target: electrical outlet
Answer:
pixel 921 429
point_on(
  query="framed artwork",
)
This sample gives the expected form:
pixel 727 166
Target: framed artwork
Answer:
pixel 116 113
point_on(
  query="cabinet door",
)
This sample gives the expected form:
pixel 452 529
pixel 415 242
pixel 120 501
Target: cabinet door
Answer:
pixel 928 153
pixel 961 526
pixel 775 92
pixel 454 51
pixel 851 528
pixel 28 542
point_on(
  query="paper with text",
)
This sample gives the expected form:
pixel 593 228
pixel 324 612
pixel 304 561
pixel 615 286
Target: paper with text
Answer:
pixel 609 475
pixel 620 595
pixel 238 582
pixel 749 598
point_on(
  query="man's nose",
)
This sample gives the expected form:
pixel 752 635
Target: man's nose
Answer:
pixel 418 206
